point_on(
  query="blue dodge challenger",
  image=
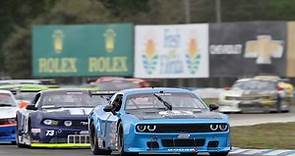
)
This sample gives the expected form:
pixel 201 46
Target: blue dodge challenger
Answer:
pixel 158 121
pixel 58 118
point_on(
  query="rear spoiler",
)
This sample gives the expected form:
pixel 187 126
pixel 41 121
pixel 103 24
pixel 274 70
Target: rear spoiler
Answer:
pixel 101 92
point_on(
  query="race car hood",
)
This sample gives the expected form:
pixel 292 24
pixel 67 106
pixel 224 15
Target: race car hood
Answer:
pixel 176 114
pixel 8 112
pixel 67 111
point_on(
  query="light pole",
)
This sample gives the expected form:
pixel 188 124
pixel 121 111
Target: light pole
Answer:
pixel 218 11
pixel 187 9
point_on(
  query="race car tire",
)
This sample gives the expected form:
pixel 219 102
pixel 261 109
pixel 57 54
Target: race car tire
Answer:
pixel 19 145
pixel 120 142
pixel 29 134
pixel 93 143
pixel 218 153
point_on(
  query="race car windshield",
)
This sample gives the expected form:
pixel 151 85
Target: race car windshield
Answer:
pixel 177 101
pixel 258 85
pixel 6 100
pixel 100 99
pixel 28 96
pixel 67 100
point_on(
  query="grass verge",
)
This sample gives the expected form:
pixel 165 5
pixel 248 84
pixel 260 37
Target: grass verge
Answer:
pixel 273 136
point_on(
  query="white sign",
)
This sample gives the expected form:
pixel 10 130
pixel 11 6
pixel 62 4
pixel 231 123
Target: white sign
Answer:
pixel 171 51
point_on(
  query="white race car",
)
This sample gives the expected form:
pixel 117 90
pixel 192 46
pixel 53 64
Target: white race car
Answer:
pixel 8 108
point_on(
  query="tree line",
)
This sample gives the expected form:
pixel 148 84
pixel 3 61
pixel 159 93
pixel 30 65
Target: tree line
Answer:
pixel 17 18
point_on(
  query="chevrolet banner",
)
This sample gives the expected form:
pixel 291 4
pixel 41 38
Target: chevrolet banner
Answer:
pixel 247 49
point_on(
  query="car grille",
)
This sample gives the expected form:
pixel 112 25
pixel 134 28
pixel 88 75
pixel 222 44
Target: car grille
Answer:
pixel 182 128
pixel 183 142
pixel 78 139
pixel 75 123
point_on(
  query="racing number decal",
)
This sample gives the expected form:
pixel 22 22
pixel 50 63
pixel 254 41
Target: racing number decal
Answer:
pixel 49 133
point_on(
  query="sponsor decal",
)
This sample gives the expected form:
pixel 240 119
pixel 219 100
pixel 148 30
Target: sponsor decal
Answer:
pixel 174 112
pixel 264 48
pixel 49 133
pixel 36 130
pixel 183 136
pixel 183 150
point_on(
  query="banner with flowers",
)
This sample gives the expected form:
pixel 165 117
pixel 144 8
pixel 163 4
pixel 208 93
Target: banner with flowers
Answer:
pixel 171 51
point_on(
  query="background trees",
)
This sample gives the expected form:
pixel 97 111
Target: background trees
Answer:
pixel 17 18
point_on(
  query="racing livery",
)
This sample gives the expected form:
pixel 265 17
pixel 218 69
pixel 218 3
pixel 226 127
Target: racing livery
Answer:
pixel 158 121
pixel 57 118
pixel 258 94
pixel 8 108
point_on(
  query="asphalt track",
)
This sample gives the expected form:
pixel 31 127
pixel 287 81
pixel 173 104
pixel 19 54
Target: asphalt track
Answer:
pixel 12 150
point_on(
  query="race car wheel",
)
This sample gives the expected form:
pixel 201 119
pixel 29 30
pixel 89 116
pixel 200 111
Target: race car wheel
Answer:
pixel 120 143
pixel 94 142
pixel 218 153
pixel 29 134
pixel 20 145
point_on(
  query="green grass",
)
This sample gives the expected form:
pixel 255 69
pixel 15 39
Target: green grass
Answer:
pixel 274 136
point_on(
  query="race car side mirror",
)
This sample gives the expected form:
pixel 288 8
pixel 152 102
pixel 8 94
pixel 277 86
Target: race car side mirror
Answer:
pixel 213 107
pixel 108 108
pixel 31 107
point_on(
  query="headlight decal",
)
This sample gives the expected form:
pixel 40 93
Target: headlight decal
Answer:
pixel 68 123
pixel 213 127
pixel 223 127
pixel 50 122
pixel 141 128
pixel 151 128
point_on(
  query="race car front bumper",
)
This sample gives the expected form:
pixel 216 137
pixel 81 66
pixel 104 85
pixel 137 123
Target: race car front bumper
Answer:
pixel 249 106
pixel 60 138
pixel 7 133
pixel 174 144
pixel 59 145
pixel 229 106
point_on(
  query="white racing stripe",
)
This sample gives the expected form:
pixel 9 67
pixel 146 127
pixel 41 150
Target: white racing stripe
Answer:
pixel 276 152
pixel 239 151
pixel 252 152
pixel 263 152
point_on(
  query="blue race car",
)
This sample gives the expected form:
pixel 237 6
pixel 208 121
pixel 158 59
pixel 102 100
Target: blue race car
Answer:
pixel 58 118
pixel 158 121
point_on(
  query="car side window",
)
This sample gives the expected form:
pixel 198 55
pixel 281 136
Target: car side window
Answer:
pixel 36 98
pixel 116 104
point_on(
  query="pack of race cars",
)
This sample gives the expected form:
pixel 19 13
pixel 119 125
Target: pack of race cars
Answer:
pixel 130 121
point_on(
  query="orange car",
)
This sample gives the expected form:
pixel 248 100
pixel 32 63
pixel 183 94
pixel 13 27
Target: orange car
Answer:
pixel 119 83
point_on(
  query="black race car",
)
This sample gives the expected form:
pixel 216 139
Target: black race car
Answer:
pixel 58 118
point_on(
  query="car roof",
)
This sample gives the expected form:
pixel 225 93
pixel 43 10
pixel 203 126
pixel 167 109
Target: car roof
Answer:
pixel 63 90
pixel 153 90
pixel 258 79
pixel 5 92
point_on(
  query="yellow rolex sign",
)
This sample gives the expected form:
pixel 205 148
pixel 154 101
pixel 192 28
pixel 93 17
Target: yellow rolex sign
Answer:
pixel 83 50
